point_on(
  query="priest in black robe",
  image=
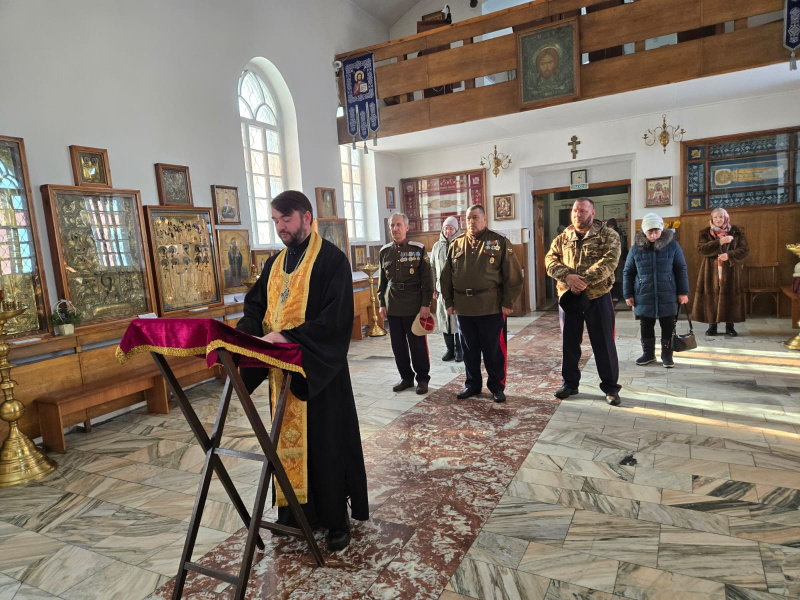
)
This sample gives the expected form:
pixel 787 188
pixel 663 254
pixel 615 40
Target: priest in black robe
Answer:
pixel 305 296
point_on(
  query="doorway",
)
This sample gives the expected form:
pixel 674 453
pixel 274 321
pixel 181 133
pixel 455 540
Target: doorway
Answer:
pixel 552 214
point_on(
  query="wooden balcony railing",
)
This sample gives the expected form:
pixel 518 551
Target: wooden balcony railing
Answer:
pixel 703 49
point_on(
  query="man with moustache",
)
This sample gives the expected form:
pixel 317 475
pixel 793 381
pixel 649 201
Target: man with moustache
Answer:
pixel 582 259
pixel 305 296
pixel 480 280
pixel 405 289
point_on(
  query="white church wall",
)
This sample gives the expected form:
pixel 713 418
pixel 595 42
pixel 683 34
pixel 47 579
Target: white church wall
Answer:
pixel 610 151
pixel 156 82
pixel 407 24
pixel 387 171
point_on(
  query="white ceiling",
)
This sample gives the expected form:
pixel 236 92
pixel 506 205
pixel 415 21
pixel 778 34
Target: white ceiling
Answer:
pixel 387 12
pixel 731 86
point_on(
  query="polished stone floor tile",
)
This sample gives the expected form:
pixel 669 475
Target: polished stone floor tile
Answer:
pixel 569 566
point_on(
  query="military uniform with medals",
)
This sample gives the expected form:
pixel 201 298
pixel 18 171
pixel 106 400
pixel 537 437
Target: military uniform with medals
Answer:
pixel 481 277
pixel 406 285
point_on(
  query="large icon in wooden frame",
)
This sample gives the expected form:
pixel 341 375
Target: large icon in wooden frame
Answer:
pixel 335 231
pixel 548 64
pixel 20 272
pixel 184 256
pixel 99 257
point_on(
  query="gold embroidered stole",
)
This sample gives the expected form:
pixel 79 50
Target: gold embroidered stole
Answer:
pixel 286 312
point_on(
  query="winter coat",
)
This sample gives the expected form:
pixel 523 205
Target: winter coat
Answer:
pixel 655 275
pixel 595 257
pixel 712 303
pixel 447 323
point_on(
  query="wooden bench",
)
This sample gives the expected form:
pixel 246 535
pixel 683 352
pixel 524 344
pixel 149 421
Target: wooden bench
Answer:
pixel 81 403
pixel 795 298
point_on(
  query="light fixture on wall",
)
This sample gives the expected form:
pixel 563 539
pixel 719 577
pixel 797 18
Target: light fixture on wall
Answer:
pixel 497 160
pixel 667 132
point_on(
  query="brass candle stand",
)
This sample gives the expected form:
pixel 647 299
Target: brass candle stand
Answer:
pixel 794 343
pixel 20 460
pixel 369 269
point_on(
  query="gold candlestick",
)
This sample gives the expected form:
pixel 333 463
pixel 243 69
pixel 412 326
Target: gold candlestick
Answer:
pixel 369 269
pixel 20 460
pixel 794 342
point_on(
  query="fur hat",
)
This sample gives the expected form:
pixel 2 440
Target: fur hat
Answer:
pixel 422 326
pixel 652 221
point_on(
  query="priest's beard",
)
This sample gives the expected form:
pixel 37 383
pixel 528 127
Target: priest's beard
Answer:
pixel 297 238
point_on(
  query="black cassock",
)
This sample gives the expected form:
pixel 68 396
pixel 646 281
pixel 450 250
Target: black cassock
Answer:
pixel 336 469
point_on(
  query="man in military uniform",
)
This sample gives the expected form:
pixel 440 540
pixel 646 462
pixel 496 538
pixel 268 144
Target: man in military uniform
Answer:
pixel 480 281
pixel 582 259
pixel 405 289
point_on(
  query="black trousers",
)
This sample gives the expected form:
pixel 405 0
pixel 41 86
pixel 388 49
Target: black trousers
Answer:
pixel 600 323
pixel 648 327
pixel 485 335
pixel 403 342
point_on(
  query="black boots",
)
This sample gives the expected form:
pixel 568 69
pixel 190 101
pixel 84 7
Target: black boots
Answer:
pixel 648 352
pixel 712 329
pixel 453 343
pixel 666 353
pixel 730 331
pixel 449 341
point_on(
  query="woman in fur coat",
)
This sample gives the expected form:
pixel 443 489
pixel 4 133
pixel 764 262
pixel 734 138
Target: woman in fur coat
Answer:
pixel 719 297
pixel 654 282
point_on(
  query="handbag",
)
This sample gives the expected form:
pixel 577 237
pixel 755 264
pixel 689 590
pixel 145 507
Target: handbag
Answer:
pixel 687 341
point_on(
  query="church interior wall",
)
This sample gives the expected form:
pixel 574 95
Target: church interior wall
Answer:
pixel 156 82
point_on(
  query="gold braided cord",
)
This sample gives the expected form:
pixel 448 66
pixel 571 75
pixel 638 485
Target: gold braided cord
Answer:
pixel 268 360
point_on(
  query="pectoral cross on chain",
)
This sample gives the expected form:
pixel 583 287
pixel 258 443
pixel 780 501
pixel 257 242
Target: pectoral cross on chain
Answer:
pixel 284 296
pixel 574 143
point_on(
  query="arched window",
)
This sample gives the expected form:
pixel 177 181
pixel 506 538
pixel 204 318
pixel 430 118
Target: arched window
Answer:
pixel 262 139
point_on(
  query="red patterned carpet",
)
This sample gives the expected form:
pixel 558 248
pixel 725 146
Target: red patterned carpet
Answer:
pixel 435 475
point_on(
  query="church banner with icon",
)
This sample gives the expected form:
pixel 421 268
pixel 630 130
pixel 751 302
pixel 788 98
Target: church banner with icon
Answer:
pixel 791 30
pixel 361 97
pixel 428 201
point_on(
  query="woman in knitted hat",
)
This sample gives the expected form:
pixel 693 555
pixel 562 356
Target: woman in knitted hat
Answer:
pixel 654 282
pixel 719 297
pixel 447 323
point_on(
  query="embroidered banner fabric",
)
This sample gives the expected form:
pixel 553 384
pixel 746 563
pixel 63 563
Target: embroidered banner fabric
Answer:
pixel 203 337
pixel 428 201
pixel 361 96
pixel 791 28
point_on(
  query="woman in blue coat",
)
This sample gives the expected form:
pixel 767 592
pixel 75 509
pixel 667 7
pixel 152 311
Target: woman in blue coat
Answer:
pixel 654 282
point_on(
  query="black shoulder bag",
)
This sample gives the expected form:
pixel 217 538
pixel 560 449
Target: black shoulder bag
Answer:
pixel 682 343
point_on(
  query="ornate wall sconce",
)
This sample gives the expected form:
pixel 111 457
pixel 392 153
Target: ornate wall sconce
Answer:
pixel 663 134
pixel 497 160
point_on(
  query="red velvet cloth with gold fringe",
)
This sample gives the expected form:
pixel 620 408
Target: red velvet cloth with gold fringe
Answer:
pixel 203 337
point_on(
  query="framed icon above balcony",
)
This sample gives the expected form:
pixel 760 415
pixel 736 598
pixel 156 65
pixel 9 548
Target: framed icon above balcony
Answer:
pixel 548 64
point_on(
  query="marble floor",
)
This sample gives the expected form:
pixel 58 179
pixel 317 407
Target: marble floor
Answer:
pixel 689 490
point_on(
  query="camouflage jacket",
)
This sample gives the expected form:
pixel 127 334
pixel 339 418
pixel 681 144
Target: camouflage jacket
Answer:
pixel 595 258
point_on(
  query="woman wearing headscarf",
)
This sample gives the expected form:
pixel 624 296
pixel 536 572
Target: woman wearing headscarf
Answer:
pixel 655 281
pixel 719 297
pixel 447 323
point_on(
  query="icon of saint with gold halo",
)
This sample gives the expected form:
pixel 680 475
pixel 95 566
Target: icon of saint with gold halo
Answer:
pixel 360 86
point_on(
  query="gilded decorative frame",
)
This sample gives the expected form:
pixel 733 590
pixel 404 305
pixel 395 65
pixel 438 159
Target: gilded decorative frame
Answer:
pixel 358 255
pixel 234 244
pixel 171 191
pixel 504 207
pixel 84 158
pixel 220 193
pixel 326 202
pixel 29 290
pixel 335 231
pixel 98 249
pixel 654 191
pixel 183 252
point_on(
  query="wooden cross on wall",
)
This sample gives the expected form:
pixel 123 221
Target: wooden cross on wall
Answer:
pixel 574 143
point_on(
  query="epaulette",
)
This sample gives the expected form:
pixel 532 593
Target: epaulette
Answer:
pixel 386 246
pixel 415 243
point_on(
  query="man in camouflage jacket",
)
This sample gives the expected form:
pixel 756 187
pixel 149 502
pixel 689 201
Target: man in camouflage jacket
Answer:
pixel 582 259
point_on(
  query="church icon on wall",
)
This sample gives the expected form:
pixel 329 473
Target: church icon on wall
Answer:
pixel 548 63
